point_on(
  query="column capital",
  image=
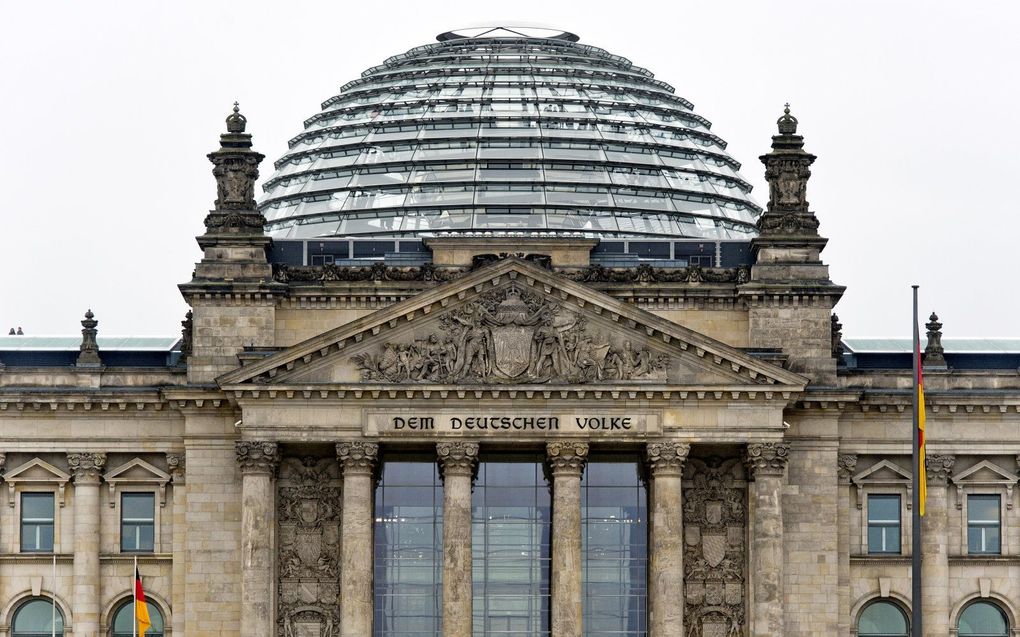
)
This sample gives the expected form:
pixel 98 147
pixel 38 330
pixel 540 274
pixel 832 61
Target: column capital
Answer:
pixel 567 457
pixel 846 465
pixel 767 458
pixel 257 456
pixel 666 458
pixel 457 458
pixel 86 466
pixel 938 468
pixel 357 456
pixel 175 462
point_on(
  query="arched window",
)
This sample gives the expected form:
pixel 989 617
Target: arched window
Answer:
pixel 983 619
pixel 125 617
pixel 35 618
pixel 882 619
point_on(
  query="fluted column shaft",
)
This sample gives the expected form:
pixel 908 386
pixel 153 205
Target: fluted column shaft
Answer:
pixel 847 464
pixel 258 461
pixel 566 462
pixel 935 548
pixel 86 467
pixel 357 465
pixel 666 554
pixel 457 462
pixel 767 464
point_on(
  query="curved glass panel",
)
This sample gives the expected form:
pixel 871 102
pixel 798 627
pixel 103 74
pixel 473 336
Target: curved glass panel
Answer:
pixel 510 528
pixel 882 619
pixel 408 548
pixel 124 619
pixel 35 618
pixel 983 619
pixel 542 111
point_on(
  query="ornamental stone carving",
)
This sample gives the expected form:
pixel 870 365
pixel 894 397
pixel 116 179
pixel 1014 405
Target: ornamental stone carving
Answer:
pixel 176 462
pixel 457 458
pixel 86 466
pixel 767 458
pixel 666 458
pixel 715 554
pixel 938 468
pixel 356 456
pixel 566 457
pixel 256 456
pixel 512 336
pixel 89 349
pixel 847 464
pixel 307 498
pixel 934 353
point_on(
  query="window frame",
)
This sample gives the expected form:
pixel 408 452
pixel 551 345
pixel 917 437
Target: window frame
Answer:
pixel 20 606
pixel 983 525
pixel 127 603
pixel 21 519
pixel 883 524
pixel 153 521
pixel 905 612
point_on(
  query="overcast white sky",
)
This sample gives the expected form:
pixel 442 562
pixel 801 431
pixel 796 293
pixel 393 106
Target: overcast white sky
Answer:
pixel 108 110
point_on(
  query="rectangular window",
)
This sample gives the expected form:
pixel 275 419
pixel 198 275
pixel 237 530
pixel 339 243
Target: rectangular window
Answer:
pixel 983 525
pixel 137 522
pixel 37 522
pixel 883 524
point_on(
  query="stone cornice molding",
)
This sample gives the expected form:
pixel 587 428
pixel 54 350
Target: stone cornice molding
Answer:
pixel 86 466
pixel 666 458
pixel 356 457
pixel 257 456
pixel 767 458
pixel 939 468
pixel 176 463
pixel 457 458
pixel 846 465
pixel 566 458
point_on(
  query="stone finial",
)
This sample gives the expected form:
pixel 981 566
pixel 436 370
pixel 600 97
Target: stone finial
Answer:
pixel 846 465
pixel 187 329
pixel 837 336
pixel 666 458
pixel 566 457
pixel 934 354
pixel 257 456
pixel 86 466
pixel 938 468
pixel 236 168
pixel 787 170
pixel 457 458
pixel 237 122
pixel 767 458
pixel 787 123
pixel 89 356
pixel 176 463
pixel 357 456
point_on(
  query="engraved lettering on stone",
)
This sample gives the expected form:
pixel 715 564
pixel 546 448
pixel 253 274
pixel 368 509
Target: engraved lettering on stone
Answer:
pixel 512 336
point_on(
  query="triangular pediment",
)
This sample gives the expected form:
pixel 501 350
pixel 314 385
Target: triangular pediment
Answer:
pixel 883 472
pixel 136 473
pixel 985 472
pixel 36 470
pixel 513 324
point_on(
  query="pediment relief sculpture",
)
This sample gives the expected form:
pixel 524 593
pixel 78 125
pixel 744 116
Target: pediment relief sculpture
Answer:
pixel 510 335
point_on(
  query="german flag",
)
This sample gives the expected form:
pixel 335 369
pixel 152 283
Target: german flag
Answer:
pixel 922 474
pixel 141 608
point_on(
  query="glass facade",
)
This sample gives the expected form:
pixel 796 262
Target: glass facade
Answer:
pixel 614 517
pixel 408 548
pixel 454 134
pixel 511 525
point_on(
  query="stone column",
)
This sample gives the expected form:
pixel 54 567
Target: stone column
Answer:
pixel 457 462
pixel 258 460
pixel 766 463
pixel 935 547
pixel 176 462
pixel 666 541
pixel 566 461
pixel 847 464
pixel 86 467
pixel 357 464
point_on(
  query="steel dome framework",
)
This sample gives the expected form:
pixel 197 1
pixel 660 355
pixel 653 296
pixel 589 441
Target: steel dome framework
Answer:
pixel 495 132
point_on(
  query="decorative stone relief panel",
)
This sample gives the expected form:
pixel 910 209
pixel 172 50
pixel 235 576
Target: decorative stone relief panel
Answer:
pixel 715 551
pixel 308 554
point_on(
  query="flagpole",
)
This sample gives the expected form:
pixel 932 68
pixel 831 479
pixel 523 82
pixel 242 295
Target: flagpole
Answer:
pixel 915 545
pixel 134 601
pixel 53 595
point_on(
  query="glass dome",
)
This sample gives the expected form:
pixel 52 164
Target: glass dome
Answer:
pixel 507 131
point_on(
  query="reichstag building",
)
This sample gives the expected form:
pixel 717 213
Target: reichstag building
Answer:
pixel 504 346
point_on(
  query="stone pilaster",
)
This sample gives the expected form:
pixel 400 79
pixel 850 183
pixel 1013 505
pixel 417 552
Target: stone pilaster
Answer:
pixel 86 467
pixel 847 464
pixel 457 463
pixel 176 463
pixel 666 550
pixel 766 463
pixel 258 460
pixel 357 465
pixel 566 463
pixel 935 547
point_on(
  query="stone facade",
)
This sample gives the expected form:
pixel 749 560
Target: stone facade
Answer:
pixel 263 451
